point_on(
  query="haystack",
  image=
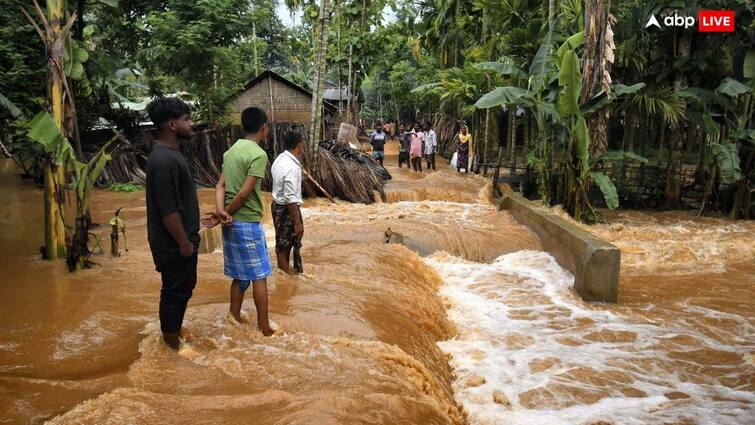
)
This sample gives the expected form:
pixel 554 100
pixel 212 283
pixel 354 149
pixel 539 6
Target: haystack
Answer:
pixel 348 174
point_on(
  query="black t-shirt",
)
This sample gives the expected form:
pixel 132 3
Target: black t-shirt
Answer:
pixel 170 187
pixel 405 141
pixel 377 140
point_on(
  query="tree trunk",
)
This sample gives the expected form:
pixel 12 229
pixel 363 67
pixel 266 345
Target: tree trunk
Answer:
pixel 596 68
pixel 54 174
pixel 661 138
pixel 700 167
pixel 631 131
pixel 210 118
pixel 316 113
pixel 673 178
pixel 511 136
pixel 254 46
pixel 551 13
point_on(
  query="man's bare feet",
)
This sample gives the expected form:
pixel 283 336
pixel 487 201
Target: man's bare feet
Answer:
pixel 267 332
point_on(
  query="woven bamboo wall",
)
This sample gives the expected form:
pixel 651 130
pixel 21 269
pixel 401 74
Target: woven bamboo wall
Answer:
pixel 290 104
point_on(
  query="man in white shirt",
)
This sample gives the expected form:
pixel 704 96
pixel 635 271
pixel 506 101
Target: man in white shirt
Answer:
pixel 431 145
pixel 287 199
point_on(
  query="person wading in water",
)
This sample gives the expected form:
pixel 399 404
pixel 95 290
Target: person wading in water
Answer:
pixel 377 140
pixel 238 200
pixel 431 146
pixel 463 141
pixel 172 214
pixel 287 199
pixel 403 152
pixel 416 147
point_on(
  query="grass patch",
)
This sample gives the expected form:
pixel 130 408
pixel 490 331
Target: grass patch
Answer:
pixel 125 187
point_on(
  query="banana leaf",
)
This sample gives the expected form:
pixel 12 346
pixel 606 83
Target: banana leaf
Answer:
pixel 503 69
pixel 582 146
pixel 727 157
pixel 618 156
pixel 570 81
pixel 607 188
pixel 732 87
pixel 508 95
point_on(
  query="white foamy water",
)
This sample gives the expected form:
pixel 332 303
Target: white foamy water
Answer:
pixel 528 351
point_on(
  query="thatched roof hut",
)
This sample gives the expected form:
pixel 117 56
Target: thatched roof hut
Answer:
pixel 283 100
pixel 343 172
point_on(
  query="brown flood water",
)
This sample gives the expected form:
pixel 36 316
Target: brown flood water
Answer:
pixel 467 322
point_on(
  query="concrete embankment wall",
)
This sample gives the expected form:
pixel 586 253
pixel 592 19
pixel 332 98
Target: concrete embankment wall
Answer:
pixel 594 262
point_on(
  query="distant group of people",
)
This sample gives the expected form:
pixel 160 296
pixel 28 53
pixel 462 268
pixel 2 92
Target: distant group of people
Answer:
pixel 417 142
pixel 173 218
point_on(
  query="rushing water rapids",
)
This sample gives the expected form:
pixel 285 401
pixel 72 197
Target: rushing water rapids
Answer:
pixel 466 322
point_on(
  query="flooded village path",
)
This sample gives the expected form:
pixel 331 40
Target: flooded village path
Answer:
pixel 466 322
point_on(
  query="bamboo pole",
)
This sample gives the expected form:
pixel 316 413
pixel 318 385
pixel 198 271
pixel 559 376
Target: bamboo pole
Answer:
pixel 312 179
pixel 272 114
pixel 348 90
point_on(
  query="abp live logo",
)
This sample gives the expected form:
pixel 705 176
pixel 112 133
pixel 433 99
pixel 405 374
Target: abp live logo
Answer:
pixel 715 21
pixel 707 21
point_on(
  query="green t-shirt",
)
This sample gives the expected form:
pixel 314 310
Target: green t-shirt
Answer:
pixel 245 158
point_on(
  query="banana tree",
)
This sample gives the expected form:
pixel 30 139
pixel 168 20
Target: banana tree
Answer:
pixel 553 93
pixel 733 151
pixel 44 131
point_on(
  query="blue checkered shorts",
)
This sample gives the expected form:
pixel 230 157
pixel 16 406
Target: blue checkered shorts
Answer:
pixel 245 252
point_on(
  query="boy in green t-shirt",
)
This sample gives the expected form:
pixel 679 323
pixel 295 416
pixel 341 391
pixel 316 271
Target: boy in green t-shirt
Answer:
pixel 238 199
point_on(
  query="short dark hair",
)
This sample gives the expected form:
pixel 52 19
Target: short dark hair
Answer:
pixel 429 124
pixel 164 109
pixel 291 139
pixel 252 119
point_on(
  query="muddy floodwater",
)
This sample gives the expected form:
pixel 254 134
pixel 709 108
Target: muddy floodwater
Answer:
pixel 466 322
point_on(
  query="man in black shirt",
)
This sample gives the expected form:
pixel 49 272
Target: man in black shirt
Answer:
pixel 403 152
pixel 172 214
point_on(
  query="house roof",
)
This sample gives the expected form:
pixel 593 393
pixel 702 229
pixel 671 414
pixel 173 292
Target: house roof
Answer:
pixel 275 76
pixel 333 94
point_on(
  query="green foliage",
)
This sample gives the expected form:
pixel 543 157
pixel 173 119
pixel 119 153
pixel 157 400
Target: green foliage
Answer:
pixel 607 188
pixel 73 59
pixel 542 63
pixel 621 156
pixel 604 99
pixel 503 69
pixel 502 96
pixel 125 187
pixel 571 44
pixel 749 65
pixel 22 59
pixel 570 81
pixel 727 157
pixel 582 146
pixel 732 87
pixel 10 107
pixel 42 129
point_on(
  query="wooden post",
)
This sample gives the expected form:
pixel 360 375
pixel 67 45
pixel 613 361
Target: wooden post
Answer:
pixel 272 114
pixel 348 90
